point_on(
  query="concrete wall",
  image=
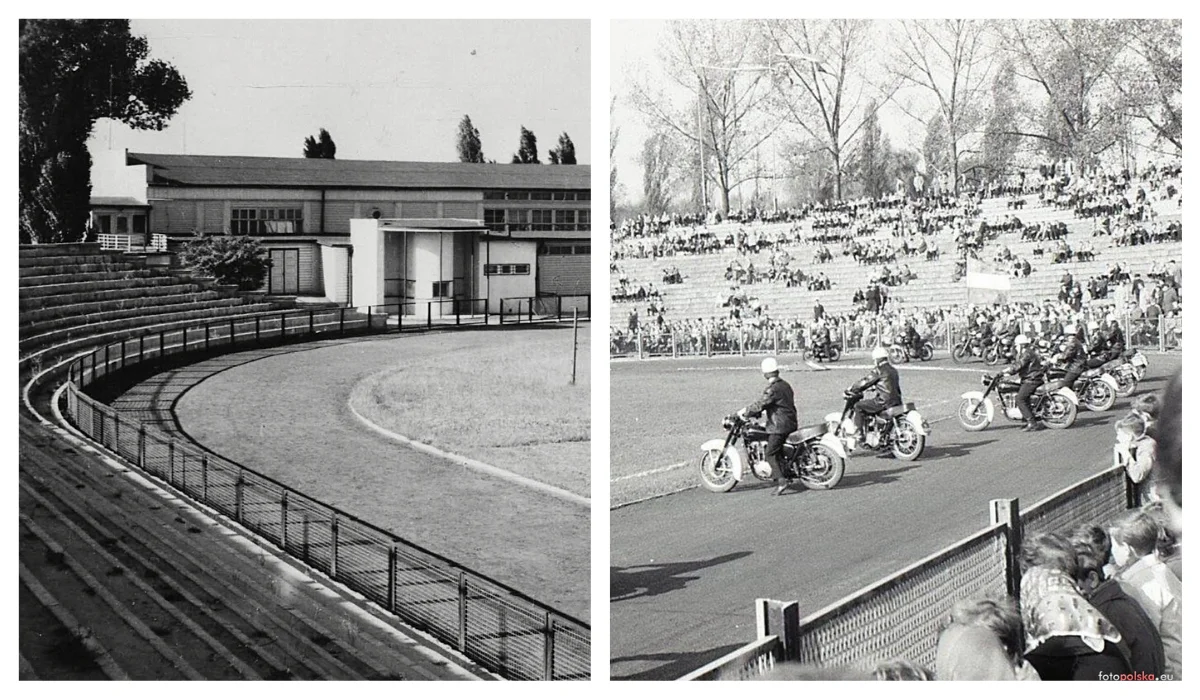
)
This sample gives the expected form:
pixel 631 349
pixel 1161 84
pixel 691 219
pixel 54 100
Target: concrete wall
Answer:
pixel 499 287
pixel 335 270
pixel 367 240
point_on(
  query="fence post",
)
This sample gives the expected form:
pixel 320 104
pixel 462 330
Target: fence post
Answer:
pixel 531 309
pixel 106 360
pixel 1007 512
pixel 742 341
pixel 206 328
pixel 429 315
pixel 674 345
pixel 502 312
pixel 781 619
pixel 333 544
pixel 342 321
pixel 232 333
pixel 369 318
pixel 122 353
pixel 141 349
pixel 204 478
pixel 237 497
pixel 282 327
pixel 162 346
pixel 141 453
pixel 707 345
pixel 283 521
pixel 486 313
pixel 392 564
pixel 462 611
pixel 171 462
pixel 257 330
pixel 185 339
pixel 641 354
pixel 548 663
pixel 311 328
pixel 1132 497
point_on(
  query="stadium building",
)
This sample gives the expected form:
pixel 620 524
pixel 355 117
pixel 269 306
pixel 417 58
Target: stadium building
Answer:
pixel 365 232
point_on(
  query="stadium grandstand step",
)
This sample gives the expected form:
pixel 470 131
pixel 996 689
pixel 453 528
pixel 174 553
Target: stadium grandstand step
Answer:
pixel 31 263
pixel 35 297
pixel 149 306
pixel 112 291
pixel 42 282
pixel 43 250
pixel 126 299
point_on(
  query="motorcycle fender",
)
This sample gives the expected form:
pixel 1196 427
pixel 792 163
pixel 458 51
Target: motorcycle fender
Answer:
pixel 735 456
pixel 918 423
pixel 834 418
pixel 1067 392
pixel 834 444
pixel 1109 380
pixel 987 403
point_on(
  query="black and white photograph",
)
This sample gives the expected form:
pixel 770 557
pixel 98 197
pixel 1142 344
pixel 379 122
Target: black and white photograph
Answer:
pixel 895 345
pixel 304 349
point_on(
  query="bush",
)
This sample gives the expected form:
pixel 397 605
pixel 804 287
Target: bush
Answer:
pixel 238 260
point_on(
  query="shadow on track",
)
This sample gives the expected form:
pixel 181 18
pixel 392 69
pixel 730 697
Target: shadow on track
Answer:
pixel 854 480
pixel 958 449
pixel 628 583
pixel 675 665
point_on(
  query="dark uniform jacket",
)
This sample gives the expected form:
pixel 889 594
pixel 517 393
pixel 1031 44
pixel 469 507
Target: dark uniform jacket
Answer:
pixel 886 382
pixel 780 404
pixel 1137 630
pixel 1116 342
pixel 1073 354
pixel 1028 365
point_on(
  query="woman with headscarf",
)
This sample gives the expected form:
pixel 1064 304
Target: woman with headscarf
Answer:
pixel 1066 637
pixel 982 642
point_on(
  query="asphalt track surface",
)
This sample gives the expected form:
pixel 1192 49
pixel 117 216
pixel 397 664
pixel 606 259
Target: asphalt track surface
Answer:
pixel 686 568
pixel 318 447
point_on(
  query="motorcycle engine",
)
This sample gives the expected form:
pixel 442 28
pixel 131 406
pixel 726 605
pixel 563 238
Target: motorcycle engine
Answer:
pixel 762 469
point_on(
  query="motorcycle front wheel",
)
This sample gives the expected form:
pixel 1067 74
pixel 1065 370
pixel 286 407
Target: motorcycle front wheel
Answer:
pixel 1059 413
pixel 926 352
pixel 1098 397
pixel 959 354
pixel 835 353
pixel 972 415
pixel 1126 383
pixel 991 356
pixel 896 355
pixel 824 469
pixel 907 443
pixel 715 472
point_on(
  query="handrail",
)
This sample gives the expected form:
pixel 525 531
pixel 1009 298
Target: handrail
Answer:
pixel 760 651
pixel 564 649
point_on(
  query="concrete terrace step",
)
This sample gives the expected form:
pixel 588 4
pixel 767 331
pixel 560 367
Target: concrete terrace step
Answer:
pixel 87 331
pixel 57 324
pixel 80 268
pixel 131 299
pixel 37 250
pixel 35 297
pixel 50 260
pixel 33 286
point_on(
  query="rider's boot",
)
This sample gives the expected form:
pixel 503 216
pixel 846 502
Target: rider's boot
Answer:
pixel 781 486
pixel 1032 426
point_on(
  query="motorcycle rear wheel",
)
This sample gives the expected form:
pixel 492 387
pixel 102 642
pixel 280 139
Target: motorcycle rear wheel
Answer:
pixel 1126 384
pixel 991 356
pixel 1060 413
pixel 835 353
pixel 972 415
pixel 926 352
pixel 715 473
pixel 907 443
pixel 1098 397
pixel 824 470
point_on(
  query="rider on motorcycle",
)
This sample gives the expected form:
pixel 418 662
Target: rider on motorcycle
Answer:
pixel 821 339
pixel 1115 337
pixel 886 382
pixel 780 405
pixel 1072 356
pixel 1028 367
pixel 1097 345
pixel 983 334
pixel 912 339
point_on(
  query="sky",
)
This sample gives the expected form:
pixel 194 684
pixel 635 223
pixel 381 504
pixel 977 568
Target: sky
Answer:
pixel 385 89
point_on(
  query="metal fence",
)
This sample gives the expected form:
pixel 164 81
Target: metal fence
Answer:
pixel 500 628
pixel 649 341
pixel 548 306
pixel 900 617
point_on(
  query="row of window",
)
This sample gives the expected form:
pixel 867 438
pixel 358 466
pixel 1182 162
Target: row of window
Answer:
pixel 266 222
pixel 121 223
pixel 560 249
pixel 540 195
pixel 506 269
pixel 538 219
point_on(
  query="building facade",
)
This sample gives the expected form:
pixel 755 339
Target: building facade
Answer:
pixel 446 231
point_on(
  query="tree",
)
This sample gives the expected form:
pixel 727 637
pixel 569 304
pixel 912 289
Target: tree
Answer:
pixel 936 147
pixel 614 185
pixel 1000 144
pixel 657 155
pixel 470 148
pixel 527 152
pixel 1149 76
pixel 320 147
pixel 239 260
pixel 873 156
pixel 823 61
pixel 73 73
pixel 1068 61
pixel 565 153
pixel 713 61
pixel 948 58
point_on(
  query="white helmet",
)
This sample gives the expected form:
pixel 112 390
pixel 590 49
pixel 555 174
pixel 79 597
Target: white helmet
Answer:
pixel 879 353
pixel 1110 318
pixel 1021 339
pixel 1071 329
pixel 1093 326
pixel 981 319
pixel 769 365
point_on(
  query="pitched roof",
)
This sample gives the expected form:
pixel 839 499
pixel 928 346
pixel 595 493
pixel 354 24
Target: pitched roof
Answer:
pixel 251 171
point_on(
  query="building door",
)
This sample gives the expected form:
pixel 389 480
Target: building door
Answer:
pixel 284 276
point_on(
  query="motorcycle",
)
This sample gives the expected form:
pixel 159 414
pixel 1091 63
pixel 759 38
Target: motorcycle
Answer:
pixel 900 429
pixel 1056 408
pixel 968 348
pixel 832 352
pixel 1096 388
pixel 1129 372
pixel 811 455
pixel 1000 351
pixel 901 352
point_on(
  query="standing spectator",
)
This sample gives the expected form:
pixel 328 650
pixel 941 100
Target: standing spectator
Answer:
pixel 818 311
pixel 1151 583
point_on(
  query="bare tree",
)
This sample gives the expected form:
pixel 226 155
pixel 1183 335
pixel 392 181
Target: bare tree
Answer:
pixel 950 59
pixel 614 135
pixel 1068 61
pixel 713 62
pixel 1150 76
pixel 826 91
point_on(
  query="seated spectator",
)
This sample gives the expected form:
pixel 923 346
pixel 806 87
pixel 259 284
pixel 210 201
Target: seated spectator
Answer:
pixel 1092 551
pixel 982 641
pixel 1067 638
pixel 1151 583
pixel 901 670
pixel 1147 406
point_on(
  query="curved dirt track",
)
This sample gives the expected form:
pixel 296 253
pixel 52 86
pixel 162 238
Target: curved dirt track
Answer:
pixel 686 568
pixel 286 415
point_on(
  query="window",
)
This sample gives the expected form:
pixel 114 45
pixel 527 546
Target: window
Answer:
pixel 543 220
pixel 266 222
pixel 518 195
pixel 494 194
pixel 506 269
pixel 564 196
pixel 564 220
pixel 583 220
pixel 494 219
pixel 540 196
pixel 443 289
pixel 139 223
pixel 122 224
pixel 584 196
pixel 568 249
pixel 104 223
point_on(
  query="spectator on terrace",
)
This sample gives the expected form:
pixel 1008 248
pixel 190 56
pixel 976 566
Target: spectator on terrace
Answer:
pixel 1135 451
pixel 982 641
pixel 1067 638
pixel 1138 632
pixel 818 311
pixel 1151 583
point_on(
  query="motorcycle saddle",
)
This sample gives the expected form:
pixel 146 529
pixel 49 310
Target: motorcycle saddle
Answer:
pixel 807 433
pixel 899 410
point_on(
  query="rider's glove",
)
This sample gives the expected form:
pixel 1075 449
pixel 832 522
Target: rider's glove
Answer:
pixel 742 414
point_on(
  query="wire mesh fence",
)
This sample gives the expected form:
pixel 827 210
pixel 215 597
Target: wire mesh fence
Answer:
pixel 501 629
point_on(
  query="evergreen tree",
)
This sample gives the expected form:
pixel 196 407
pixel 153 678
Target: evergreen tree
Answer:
pixel 470 148
pixel 527 152
pixel 320 147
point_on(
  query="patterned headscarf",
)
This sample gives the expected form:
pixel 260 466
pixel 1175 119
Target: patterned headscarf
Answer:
pixel 1051 606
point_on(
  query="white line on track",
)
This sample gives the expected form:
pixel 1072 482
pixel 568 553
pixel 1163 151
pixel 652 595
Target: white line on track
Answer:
pixel 474 464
